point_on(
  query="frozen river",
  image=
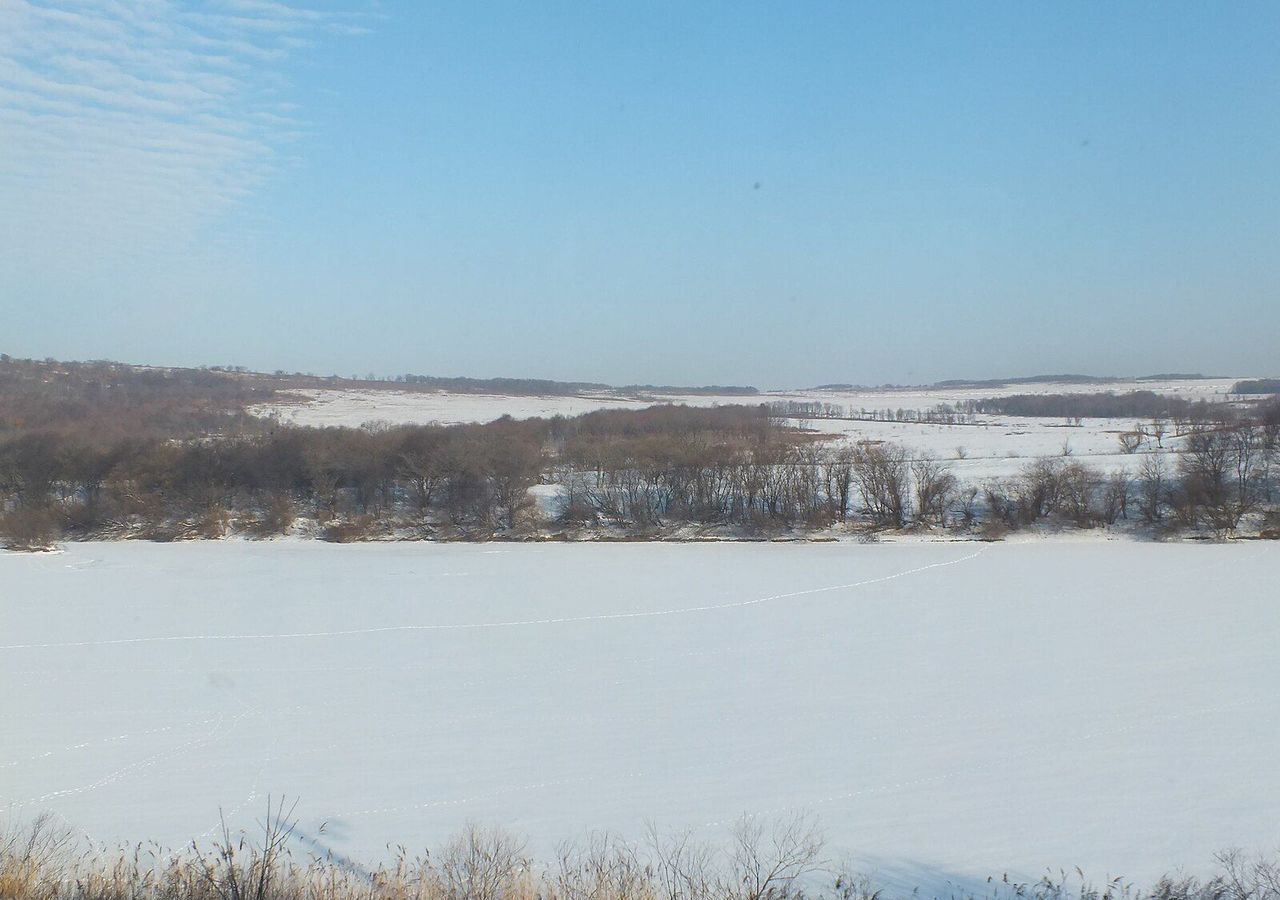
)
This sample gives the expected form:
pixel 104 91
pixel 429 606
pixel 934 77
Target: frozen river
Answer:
pixel 947 709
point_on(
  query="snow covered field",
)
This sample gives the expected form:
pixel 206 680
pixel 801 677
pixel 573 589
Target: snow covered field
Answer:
pixel 950 710
pixel 356 407
pixel 996 446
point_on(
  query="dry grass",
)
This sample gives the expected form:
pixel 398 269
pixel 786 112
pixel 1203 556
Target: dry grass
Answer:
pixel 763 860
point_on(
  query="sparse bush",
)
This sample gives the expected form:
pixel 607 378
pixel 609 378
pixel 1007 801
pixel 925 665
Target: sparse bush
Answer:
pixel 485 864
pixel 882 473
pixel 935 488
pixel 1152 488
pixel 1270 526
pixel 994 530
pixel 211 523
pixel 1077 484
pixel 769 860
pixel 277 517
pixel 1130 441
pixel 966 506
pixel 347 531
pixel 29 528
pixel 1115 497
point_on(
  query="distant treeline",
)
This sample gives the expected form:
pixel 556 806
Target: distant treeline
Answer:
pixel 1257 386
pixel 1026 379
pixel 226 388
pixel 522 386
pixel 107 398
pixel 1130 405
pixel 726 390
pixel 1069 379
pixel 548 388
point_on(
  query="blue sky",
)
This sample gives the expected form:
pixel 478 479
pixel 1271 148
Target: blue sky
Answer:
pixel 777 194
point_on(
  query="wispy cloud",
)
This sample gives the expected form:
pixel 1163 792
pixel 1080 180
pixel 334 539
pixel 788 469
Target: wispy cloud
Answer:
pixel 126 122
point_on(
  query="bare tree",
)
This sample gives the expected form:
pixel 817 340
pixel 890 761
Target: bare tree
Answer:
pixel 881 473
pixel 1219 469
pixel 839 477
pixel 767 862
pixel 935 487
pixel 1115 496
pixel 483 864
pixel 1038 488
pixel 1130 441
pixel 1152 479
pixel 1249 464
pixel 1077 484
pixel 421 460
pixel 513 467
pixel 1159 428
pixel 682 867
pixel 966 500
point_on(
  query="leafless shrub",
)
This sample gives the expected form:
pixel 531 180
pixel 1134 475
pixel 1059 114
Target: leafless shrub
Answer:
pixel 768 860
pixel 1158 429
pixel 1130 441
pixel 1152 486
pixel 29 528
pixel 211 523
pixel 1222 473
pixel 966 505
pixel 360 528
pixel 1115 496
pixel 276 518
pixel 881 472
pixel 604 867
pixel 1077 484
pixel 240 870
pixel 994 530
pixel 682 868
pixel 847 883
pixel 935 488
pixel 483 864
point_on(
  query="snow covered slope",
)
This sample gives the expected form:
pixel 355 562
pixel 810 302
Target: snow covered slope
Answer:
pixel 948 709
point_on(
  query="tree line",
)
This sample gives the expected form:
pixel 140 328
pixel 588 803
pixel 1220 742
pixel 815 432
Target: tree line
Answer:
pixel 1257 386
pixel 1106 405
pixel 461 480
pixel 99 450
pixel 113 398
pixel 647 470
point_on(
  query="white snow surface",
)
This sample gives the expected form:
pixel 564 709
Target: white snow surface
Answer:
pixel 950 710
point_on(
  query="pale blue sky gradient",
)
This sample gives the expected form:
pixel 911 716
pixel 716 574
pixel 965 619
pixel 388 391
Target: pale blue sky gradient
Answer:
pixel 767 193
